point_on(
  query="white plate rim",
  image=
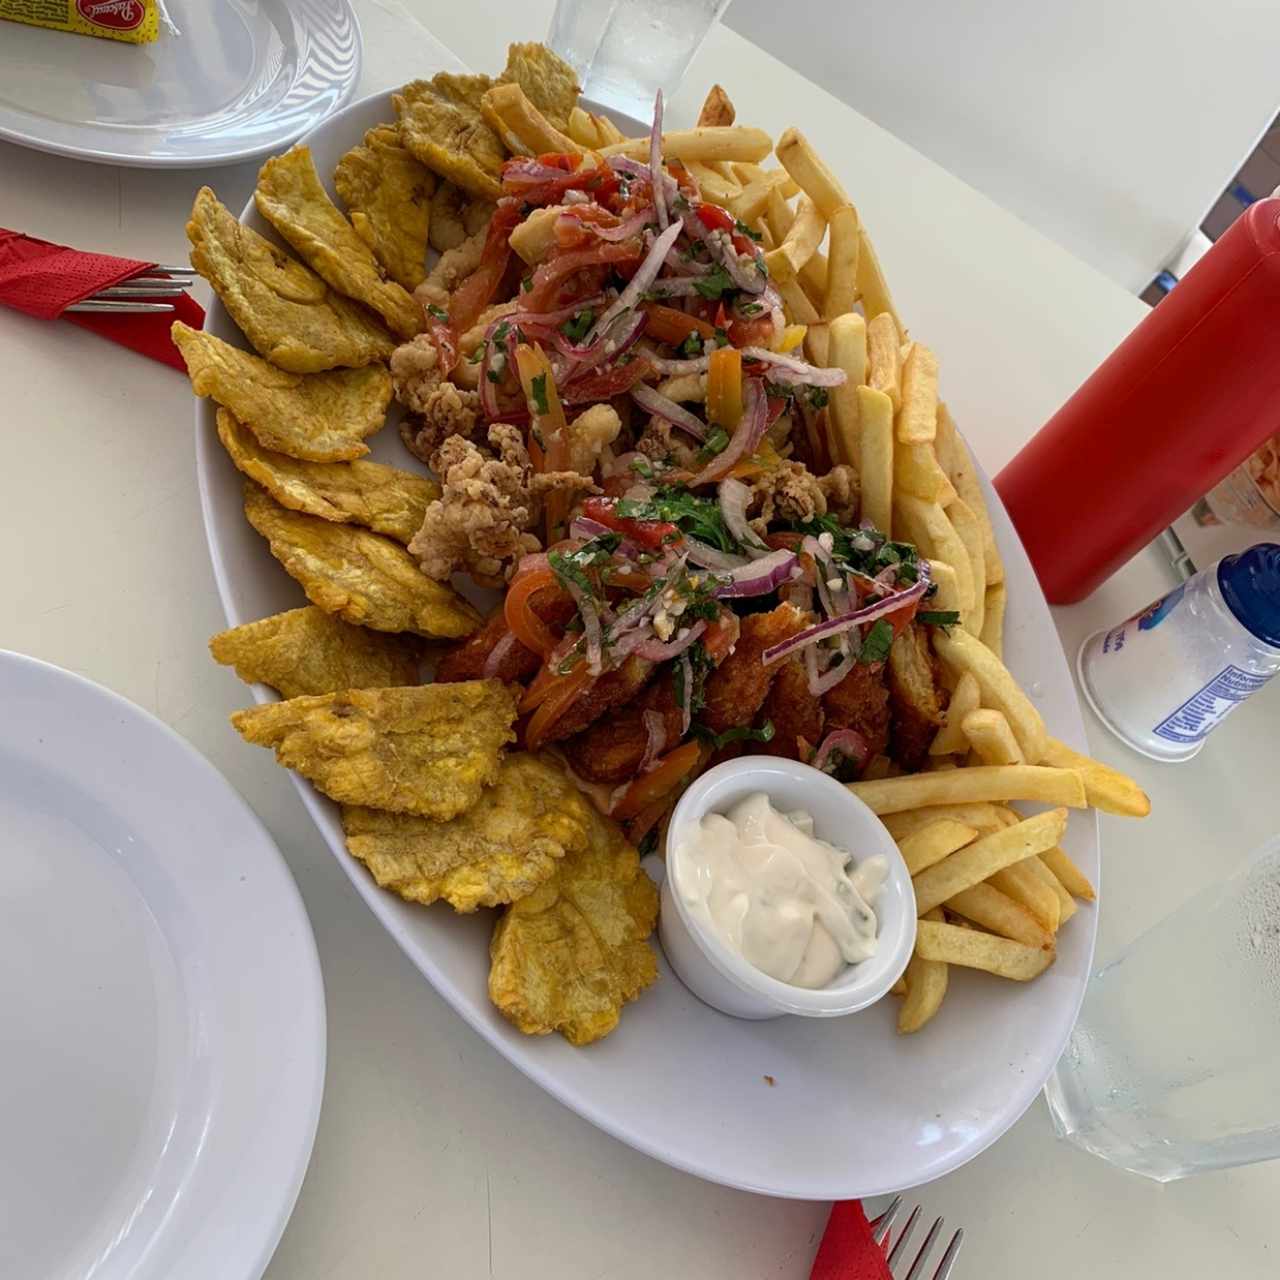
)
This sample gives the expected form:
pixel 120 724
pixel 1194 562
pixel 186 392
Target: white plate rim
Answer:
pixel 286 1188
pixel 25 137
pixel 383 905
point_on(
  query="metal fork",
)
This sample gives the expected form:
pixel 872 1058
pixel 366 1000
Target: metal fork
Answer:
pixel 138 294
pixel 880 1231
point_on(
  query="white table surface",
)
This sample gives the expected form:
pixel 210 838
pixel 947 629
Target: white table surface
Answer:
pixel 434 1157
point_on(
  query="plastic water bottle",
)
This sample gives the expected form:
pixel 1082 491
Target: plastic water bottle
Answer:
pixel 1162 680
pixel 1173 1065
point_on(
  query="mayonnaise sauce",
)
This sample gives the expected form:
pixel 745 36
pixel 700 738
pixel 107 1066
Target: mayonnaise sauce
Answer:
pixel 788 903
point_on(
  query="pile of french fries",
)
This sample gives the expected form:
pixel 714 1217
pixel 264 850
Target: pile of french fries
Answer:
pixel 993 885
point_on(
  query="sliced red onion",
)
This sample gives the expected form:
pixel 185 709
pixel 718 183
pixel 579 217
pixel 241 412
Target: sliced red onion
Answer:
pixel 846 622
pixel 655 164
pixel 493 662
pixel 585 527
pixel 686 683
pixel 848 742
pixel 821 681
pixel 591 629
pixel 798 593
pixel 559 316
pixel 666 408
pixel 527 169
pixel 759 577
pixel 675 368
pixel 712 557
pixel 886 578
pixel 632 168
pixel 531 563
pixel 683 263
pixel 752 279
pixel 639 282
pixel 656 651
pixel 735 497
pixel 606 349
pixel 678 288
pixel 787 369
pixel 655 727
pixel 748 433
pixel 630 226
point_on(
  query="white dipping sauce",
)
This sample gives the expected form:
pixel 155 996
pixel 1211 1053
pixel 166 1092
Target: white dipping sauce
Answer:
pixel 788 903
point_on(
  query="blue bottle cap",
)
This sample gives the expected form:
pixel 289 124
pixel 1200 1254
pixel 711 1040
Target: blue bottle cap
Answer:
pixel 1250 584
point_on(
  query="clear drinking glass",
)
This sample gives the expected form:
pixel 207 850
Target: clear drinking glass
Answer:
pixel 646 45
pixel 1174 1064
pixel 576 28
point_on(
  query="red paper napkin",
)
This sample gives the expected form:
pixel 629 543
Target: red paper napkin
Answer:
pixel 44 279
pixel 847 1251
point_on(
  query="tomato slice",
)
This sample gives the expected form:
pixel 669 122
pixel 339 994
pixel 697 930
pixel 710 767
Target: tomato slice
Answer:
pixel 557 696
pixel 614 381
pixel 552 275
pixel 648 533
pixel 721 635
pixel 521 620
pixel 669 325
pixel 724 387
pixel 475 293
pixel 657 782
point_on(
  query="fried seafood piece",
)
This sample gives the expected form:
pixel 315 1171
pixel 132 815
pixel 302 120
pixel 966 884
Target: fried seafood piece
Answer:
pixel 364 578
pixel 292 198
pixel 737 688
pixel 487 506
pixel 571 954
pixel 796 715
pixel 548 81
pixel 319 417
pixel 916 698
pixel 454 267
pixel 861 702
pixel 437 408
pixel 790 491
pixel 429 749
pixel 455 216
pixel 842 492
pixel 511 661
pixel 381 498
pixel 306 651
pixel 498 851
pixel 287 312
pixel 612 749
pixel 614 689
pixel 387 191
pixel 442 124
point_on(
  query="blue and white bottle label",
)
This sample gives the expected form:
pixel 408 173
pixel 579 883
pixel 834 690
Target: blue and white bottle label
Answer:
pixel 1209 706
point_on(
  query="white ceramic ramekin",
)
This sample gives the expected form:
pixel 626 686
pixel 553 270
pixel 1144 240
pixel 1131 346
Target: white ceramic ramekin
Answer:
pixel 721 977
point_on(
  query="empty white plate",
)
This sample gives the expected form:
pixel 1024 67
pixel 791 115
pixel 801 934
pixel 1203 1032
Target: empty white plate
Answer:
pixel 243 77
pixel 162 1029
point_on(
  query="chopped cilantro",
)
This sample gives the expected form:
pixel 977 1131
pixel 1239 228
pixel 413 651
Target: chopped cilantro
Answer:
pixel 739 733
pixel 743 230
pixel 576 329
pixel 698 517
pixel 876 643
pixel 538 391
pixel 713 284
pixel 751 309
pixel 818 397
pixel 722 337
pixel 493 376
pixel 526 284
pixel 680 203
pixel 701 666
pixel 572 566
pixel 691 347
pixel 716 442
pixel 938 617
pixel 477 355
pixel 778 389
pixel 500 333
pixel 640 465
pixel 438 312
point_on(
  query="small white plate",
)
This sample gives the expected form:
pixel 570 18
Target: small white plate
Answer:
pixel 162 1042
pixel 819 1109
pixel 244 78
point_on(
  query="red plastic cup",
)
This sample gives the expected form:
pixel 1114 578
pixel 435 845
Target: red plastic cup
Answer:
pixel 1187 396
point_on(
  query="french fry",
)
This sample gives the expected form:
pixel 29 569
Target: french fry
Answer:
pixel 799 309
pixel 921 849
pixel 989 733
pixel 750 203
pixel 916 471
pixel 983 816
pixel 944 441
pixel 812 176
pixel 582 129
pixel 872 287
pixel 507 108
pixel 986 856
pixel 999 690
pixel 847 350
pixel 1072 879
pixel 918 418
pixel 813 278
pixel 875 456
pixel 926 982
pixel 1005 958
pixel 1021 884
pixel 966 698
pixel 842 263
pixel 799 244
pixel 717 109
pixel 984 904
pixel 729 142
pixel 899 988
pixel 964 786
pixel 993 619
pixel 1107 788
pixel 1066 903
pixel 947 597
pixel 714 186
pixel 964 477
pixel 926 525
pixel 778 215
pixel 884 355
pixel 969 531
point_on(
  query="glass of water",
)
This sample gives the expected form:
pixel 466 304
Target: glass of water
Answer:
pixel 1174 1065
pixel 626 50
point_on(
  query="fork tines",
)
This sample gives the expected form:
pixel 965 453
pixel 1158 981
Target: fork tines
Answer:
pixel 880 1230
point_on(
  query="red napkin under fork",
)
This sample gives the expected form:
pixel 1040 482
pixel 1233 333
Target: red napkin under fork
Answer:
pixel 847 1251
pixel 44 279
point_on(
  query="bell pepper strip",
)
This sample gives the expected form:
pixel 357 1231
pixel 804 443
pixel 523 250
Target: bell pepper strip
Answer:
pixel 521 620
pixel 557 696
pixel 652 534
pixel 669 325
pixel 657 782
pixel 724 387
pixel 763 460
